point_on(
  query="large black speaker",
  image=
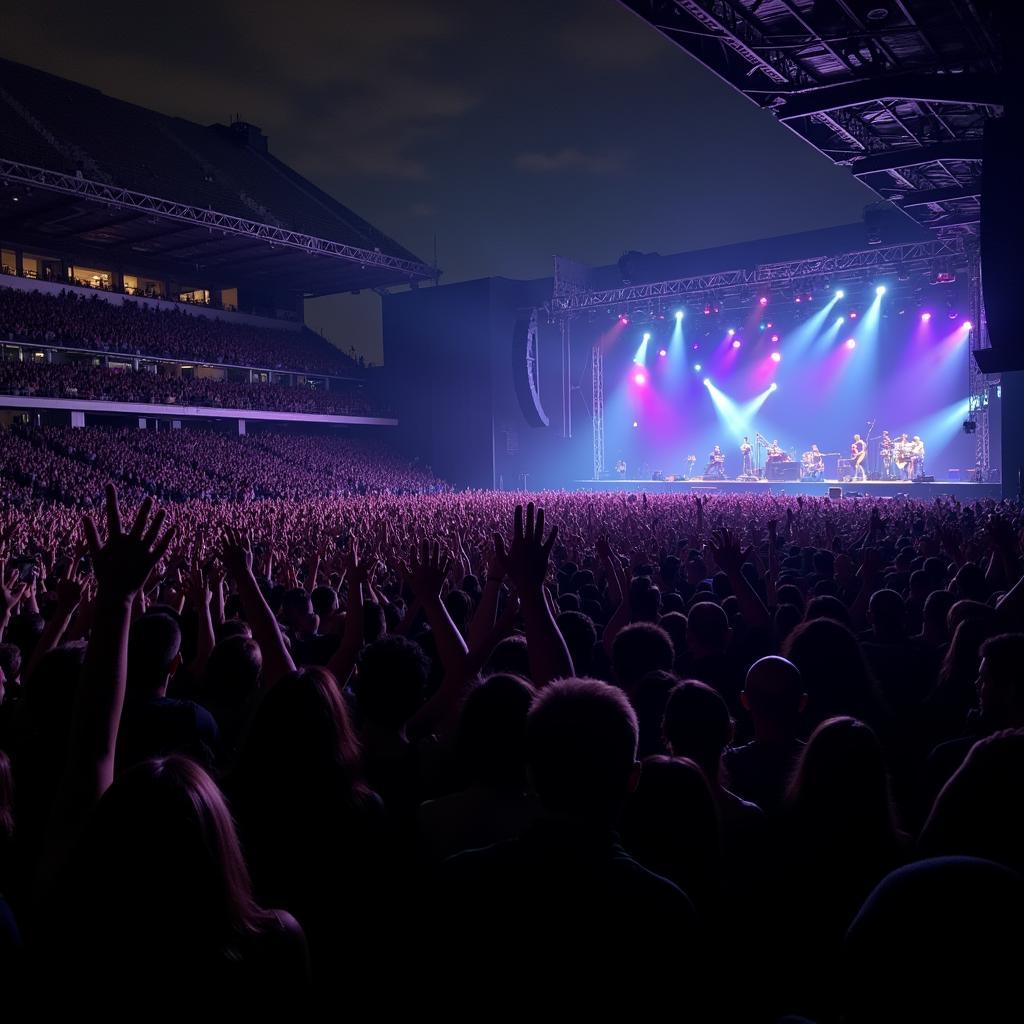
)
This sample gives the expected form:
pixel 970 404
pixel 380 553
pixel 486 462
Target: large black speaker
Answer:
pixel 782 471
pixel 1002 226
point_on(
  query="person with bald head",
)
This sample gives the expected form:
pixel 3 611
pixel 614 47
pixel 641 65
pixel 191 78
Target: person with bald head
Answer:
pixel 774 695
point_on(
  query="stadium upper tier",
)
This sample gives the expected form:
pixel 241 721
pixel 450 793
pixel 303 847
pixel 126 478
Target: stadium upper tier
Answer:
pixel 74 128
pixel 132 328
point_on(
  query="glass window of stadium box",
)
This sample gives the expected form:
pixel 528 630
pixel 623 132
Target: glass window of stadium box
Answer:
pixel 91 277
pixel 42 268
pixel 8 261
pixel 229 299
pixel 198 296
pixel 135 285
pixel 11 354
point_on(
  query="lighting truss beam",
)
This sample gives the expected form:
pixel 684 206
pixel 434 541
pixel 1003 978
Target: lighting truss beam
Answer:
pixel 917 157
pixel 884 259
pixel 976 90
pixel 124 199
pixel 924 197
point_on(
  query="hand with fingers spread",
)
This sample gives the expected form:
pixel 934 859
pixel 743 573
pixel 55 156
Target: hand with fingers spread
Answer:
pixel 123 563
pixel 427 571
pixel 727 551
pixel 236 553
pixel 11 590
pixel 529 553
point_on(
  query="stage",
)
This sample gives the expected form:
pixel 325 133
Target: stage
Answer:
pixel 962 491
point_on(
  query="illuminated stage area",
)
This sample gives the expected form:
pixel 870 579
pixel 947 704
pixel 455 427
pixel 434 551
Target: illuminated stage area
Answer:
pixel 871 490
pixel 868 380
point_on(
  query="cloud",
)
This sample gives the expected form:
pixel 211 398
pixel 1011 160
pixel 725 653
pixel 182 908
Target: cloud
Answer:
pixel 569 158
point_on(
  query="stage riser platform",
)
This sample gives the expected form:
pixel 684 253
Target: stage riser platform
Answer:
pixel 871 489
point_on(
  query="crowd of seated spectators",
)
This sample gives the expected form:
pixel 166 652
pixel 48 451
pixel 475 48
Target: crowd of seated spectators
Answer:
pixel 753 757
pixel 91 322
pixel 97 383
pixel 71 465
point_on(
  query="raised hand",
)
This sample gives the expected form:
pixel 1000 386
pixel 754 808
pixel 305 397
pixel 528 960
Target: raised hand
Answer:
pixel 529 554
pixel 236 553
pixel 123 563
pixel 727 551
pixel 497 560
pixel 427 571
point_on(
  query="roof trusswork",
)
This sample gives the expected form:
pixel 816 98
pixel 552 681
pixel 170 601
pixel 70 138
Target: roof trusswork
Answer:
pixel 84 170
pixel 897 90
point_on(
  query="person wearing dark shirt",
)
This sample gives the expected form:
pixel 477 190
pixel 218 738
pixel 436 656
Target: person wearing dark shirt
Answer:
pixel 153 724
pixel 760 770
pixel 566 889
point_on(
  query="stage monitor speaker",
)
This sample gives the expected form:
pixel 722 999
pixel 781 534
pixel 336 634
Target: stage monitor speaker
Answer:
pixel 835 493
pixel 782 471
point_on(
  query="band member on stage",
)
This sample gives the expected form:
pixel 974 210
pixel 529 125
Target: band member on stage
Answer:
pixel 775 452
pixel 858 453
pixel 715 469
pixel 620 467
pixel 902 457
pixel 916 457
pixel 813 467
pixel 885 447
pixel 748 462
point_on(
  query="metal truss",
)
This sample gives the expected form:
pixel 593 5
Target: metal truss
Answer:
pixel 979 383
pixel 914 256
pixel 125 199
pixel 597 414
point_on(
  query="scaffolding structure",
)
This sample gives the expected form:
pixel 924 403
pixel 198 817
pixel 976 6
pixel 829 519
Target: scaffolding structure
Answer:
pixel 979 384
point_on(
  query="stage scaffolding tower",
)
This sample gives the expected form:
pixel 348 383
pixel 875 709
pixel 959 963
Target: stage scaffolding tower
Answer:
pixel 979 383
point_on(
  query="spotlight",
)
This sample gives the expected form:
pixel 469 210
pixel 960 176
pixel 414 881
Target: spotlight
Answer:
pixel 840 294
pixel 731 331
pixel 707 382
pixel 736 343
pixel 769 325
pixel 776 357
pixel 763 300
pixel 840 320
pixel 775 339
pixel 635 424
pixel 647 336
pixel 696 368
pixel 851 342
pixel 774 386
pixel 925 317
pixel 853 314
pixel 880 290
pixel 967 325
pixel 953 314
pixel 679 314
pixel 624 319
pixel 639 378
pixel 662 352
pixel 707 310
pixel 798 298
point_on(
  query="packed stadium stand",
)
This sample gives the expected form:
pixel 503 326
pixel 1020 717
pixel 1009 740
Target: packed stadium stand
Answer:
pixel 156 267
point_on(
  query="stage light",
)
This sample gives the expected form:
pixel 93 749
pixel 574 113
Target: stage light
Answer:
pixel 731 331
pixel 776 357
pixel 775 339
pixel 925 317
pixel 707 382
pixel 851 342
pixel 639 378
pixel 707 310
pixel 662 352
pixel 635 424
pixel 967 325
pixel 840 320
pixel 774 386
pixel 953 314
pixel 853 314
pixel 769 325
pixel 624 319
pixel 880 290
pixel 763 300
pixel 736 343
pixel 840 294
pixel 679 314
pixel 647 336
pixel 798 298
pixel 696 369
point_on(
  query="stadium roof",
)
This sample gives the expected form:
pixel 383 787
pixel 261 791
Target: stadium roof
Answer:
pixel 84 172
pixel 896 90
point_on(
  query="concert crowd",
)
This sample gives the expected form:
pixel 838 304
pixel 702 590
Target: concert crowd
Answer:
pixel 93 383
pixel 133 328
pixel 370 740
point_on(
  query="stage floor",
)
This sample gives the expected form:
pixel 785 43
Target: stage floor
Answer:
pixel 962 491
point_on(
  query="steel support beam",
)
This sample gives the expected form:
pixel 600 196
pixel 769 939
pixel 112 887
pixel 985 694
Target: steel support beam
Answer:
pixel 125 199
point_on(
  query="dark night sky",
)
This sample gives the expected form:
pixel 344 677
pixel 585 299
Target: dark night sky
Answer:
pixel 510 131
